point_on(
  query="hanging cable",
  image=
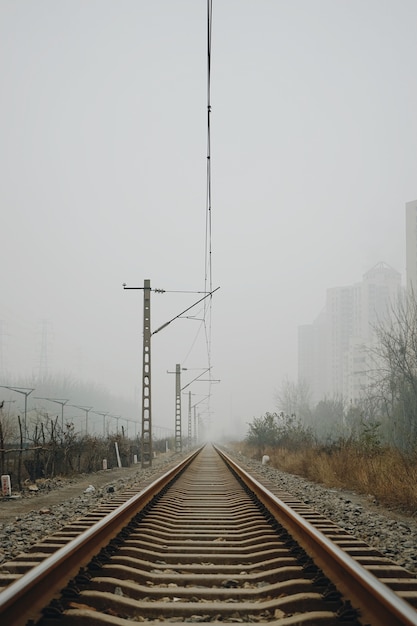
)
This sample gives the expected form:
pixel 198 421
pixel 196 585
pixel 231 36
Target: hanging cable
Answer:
pixel 208 260
pixel 208 279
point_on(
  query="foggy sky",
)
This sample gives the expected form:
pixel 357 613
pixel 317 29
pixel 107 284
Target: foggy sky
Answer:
pixel 103 170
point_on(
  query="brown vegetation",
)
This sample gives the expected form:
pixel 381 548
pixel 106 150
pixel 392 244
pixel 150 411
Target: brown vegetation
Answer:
pixel 388 475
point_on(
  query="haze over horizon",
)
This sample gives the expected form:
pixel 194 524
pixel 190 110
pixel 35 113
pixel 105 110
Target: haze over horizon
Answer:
pixel 103 160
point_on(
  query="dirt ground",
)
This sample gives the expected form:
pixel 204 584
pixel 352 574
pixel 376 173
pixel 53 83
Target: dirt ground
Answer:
pixel 62 489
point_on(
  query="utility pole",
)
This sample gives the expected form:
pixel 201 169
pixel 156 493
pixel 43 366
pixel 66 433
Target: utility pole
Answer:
pixel 146 378
pixel 146 439
pixel 103 414
pixel 26 391
pixel 195 427
pixel 196 379
pixel 178 390
pixel 57 401
pixel 146 370
pixel 189 420
pixel 194 406
pixel 178 439
pixel 86 409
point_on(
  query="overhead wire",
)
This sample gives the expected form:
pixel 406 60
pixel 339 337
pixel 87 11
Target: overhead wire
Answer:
pixel 208 270
pixel 208 273
pixel 208 250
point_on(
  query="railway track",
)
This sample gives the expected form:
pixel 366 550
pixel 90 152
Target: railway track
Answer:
pixel 205 543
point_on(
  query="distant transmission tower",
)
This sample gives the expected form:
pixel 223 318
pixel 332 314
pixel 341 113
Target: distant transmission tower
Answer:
pixel 43 356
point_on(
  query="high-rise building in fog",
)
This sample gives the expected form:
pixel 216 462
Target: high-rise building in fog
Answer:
pixel 411 245
pixel 331 351
pixel 312 357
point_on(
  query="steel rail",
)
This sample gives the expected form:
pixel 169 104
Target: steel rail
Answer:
pixel 377 603
pixel 24 599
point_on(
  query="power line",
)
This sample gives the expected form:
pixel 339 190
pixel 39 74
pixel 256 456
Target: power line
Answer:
pixel 208 274
pixel 208 250
pixel 185 311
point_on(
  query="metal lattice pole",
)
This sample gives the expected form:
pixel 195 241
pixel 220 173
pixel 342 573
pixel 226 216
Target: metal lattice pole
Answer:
pixel 178 440
pixel 189 420
pixel 146 378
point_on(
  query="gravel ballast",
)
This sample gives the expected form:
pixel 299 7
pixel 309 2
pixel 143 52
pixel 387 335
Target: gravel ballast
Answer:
pixel 390 532
pixel 393 534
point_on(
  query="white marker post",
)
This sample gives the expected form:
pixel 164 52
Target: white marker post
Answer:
pixel 119 463
pixel 6 486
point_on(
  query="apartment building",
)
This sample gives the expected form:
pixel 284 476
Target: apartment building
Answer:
pixel 332 351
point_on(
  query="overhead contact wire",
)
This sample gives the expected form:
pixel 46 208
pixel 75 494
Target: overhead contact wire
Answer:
pixel 208 247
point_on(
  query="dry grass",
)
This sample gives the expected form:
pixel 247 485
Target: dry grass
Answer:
pixel 388 476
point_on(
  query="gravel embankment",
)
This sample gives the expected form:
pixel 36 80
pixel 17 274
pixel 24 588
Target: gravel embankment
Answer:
pixel 393 534
pixel 28 517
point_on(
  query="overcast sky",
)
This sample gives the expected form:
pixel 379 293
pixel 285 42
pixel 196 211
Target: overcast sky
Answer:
pixel 103 181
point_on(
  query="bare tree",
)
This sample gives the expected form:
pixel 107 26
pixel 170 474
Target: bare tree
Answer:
pixel 395 372
pixel 8 434
pixel 294 399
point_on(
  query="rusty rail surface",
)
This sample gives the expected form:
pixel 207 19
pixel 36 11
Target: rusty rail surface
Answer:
pixel 208 542
pixel 377 602
pixel 24 599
